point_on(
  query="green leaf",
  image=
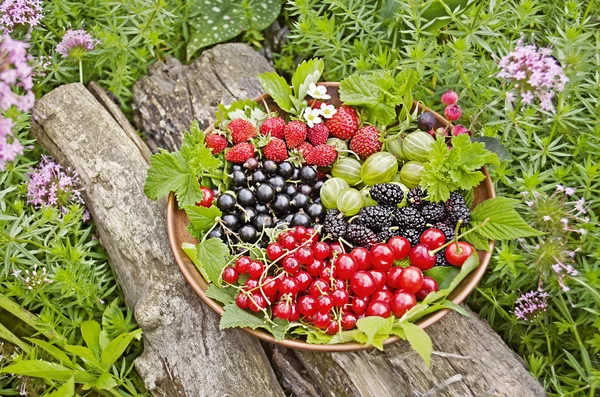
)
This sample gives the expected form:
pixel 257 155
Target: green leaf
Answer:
pixel 349 336
pixel 192 252
pixel 91 335
pixel 436 14
pixel 224 111
pixel 361 89
pixel 201 218
pixel 377 329
pixel 494 146
pixel 419 341
pixel 47 370
pixel 85 354
pixel 279 329
pixel 233 317
pixel 478 241
pixel 308 72
pixel 117 347
pixel 443 275
pixel 106 381
pixel 170 172
pixel 53 351
pixel 225 295
pixel 504 221
pixel 453 306
pixel 470 264
pixel 66 390
pixel 212 256
pixel 278 88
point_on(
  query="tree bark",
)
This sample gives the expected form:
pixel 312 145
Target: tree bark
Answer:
pixel 185 354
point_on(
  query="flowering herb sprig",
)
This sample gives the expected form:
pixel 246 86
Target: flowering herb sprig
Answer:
pixel 75 45
pixel 14 13
pixel 531 305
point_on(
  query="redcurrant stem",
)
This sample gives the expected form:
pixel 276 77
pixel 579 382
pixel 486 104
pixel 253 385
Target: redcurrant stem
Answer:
pixel 456 238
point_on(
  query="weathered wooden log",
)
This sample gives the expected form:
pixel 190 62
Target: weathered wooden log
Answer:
pixel 185 354
pixel 471 360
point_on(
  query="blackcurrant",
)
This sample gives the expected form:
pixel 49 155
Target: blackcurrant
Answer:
pixel 239 179
pixel 231 221
pixel 270 167
pixel 290 189
pixel 296 175
pixel 281 204
pixel 316 211
pixel 317 189
pixel 248 234
pixel 265 193
pixel 248 214
pixel 305 189
pixel 237 167
pixel 258 177
pixel 301 219
pixel 308 174
pixel 261 208
pixel 216 232
pixel 251 164
pixel 263 220
pixel 278 183
pixel 285 169
pixel 245 197
pixel 299 201
pixel 288 218
pixel 426 121
pixel 226 202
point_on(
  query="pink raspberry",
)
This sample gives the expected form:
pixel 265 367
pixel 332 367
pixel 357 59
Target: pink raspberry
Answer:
pixel 452 112
pixel 449 98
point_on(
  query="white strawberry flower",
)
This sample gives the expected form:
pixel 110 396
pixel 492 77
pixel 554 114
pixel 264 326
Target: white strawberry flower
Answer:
pixel 312 116
pixel 327 111
pixel 318 92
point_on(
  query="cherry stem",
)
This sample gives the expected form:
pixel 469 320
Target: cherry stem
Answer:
pixel 456 238
pixel 457 249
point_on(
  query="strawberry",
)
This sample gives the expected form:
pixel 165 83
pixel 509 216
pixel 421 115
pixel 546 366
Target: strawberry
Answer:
pixel 304 148
pixel 215 142
pixel 241 130
pixel 273 126
pixel 276 150
pixel 321 155
pixel 366 141
pixel 295 133
pixel 318 134
pixel 240 153
pixel 344 123
pixel 314 103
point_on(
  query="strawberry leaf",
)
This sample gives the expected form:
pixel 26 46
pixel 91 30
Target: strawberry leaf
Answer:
pixel 278 88
pixel 307 73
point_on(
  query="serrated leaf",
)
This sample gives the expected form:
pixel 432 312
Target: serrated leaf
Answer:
pixel 443 275
pixel 225 295
pixel 307 73
pixel 46 370
pixel 504 221
pixel 360 90
pixel 478 241
pixel 169 172
pixel 233 317
pixel 279 329
pixel 377 329
pixel 192 252
pixel 278 89
pixel 349 336
pixel 202 218
pixel 419 341
pixel 212 255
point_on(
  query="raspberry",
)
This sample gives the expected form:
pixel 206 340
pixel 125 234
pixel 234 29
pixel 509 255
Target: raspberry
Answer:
pixel 241 130
pixel 322 156
pixel 366 141
pixel 273 126
pixel 452 112
pixel 240 153
pixel 361 236
pixel 375 217
pixel 335 225
pixel 449 98
pixel 318 134
pixel 416 197
pixel 215 142
pixel 411 235
pixel 344 123
pixel 295 133
pixel 276 150
pixel 433 212
pixel 460 129
pixel 387 193
pixel 457 208
pixel 409 218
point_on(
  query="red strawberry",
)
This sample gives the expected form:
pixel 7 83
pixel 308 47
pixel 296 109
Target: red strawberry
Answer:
pixel 240 153
pixel 276 150
pixel 273 126
pixel 295 133
pixel 304 148
pixel 215 142
pixel 314 103
pixel 366 141
pixel 241 130
pixel 318 134
pixel 322 155
pixel 344 123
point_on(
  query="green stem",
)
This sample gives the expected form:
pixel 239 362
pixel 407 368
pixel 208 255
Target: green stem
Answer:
pixel 27 317
pixel 456 238
pixel 81 71
pixel 12 338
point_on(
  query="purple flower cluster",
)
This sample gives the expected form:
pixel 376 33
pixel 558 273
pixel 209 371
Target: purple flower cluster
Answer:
pixel 535 73
pixel 15 73
pixel 76 40
pixel 50 185
pixel 530 305
pixel 20 12
pixel 10 146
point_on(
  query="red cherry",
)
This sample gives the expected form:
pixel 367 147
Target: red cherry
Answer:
pixel 457 255
pixel 270 285
pixel 332 328
pixel 318 287
pixel 379 277
pixel 256 269
pixel 324 304
pixel 321 250
pixel 300 233
pixel 304 255
pixel 241 300
pixel 400 246
pixel 315 267
pixel 340 297
pixel 411 279
pixel 348 321
pixel 230 275
pixel 379 309
pixel 304 280
pixel 336 247
pixel 257 303
pixel 345 266
pixel 282 310
pixel 359 305
pixel 294 312
pixel 288 285
pixel 362 283
pixel 291 265
pixel 433 238
pixel 382 295
pixel 429 286
pixel 382 257
pixel 241 264
pixel 289 242
pixel 361 256
pixel 402 302
pixel 393 277
pixel 274 251
pixel 207 198
pixel 307 305
pixel 326 273
pixel 421 257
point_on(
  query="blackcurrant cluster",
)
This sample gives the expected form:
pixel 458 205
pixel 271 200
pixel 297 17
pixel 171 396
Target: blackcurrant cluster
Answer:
pixel 267 195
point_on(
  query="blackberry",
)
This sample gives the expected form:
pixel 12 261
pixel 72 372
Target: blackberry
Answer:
pixel 416 197
pixel 457 208
pixel 433 212
pixel 361 236
pixel 376 217
pixel 409 218
pixel 387 193
pixel 385 235
pixel 335 225
pixel 440 258
pixel 411 235
pixel 446 228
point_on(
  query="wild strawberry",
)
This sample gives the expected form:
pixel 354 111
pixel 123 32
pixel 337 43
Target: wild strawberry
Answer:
pixel 452 112
pixel 321 155
pixel 276 150
pixel 366 141
pixel 314 103
pixel 449 98
pixel 240 153
pixel 460 129
pixel 273 126
pixel 241 130
pixel 215 142
pixel 304 148
pixel 295 133
pixel 318 134
pixel 344 123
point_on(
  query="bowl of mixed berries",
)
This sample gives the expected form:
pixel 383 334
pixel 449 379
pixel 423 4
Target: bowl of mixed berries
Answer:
pixel 331 216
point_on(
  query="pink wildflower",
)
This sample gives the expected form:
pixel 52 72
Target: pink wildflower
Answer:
pixel 15 72
pixel 20 13
pixel 76 43
pixel 10 146
pixel 531 305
